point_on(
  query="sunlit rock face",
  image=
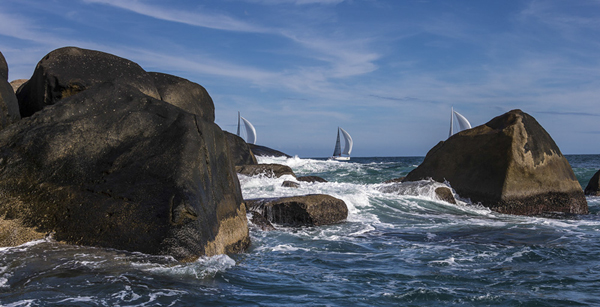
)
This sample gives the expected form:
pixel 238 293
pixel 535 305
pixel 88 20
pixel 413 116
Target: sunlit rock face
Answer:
pixel 510 164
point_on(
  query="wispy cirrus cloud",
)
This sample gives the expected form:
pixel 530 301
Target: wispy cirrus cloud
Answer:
pixel 199 18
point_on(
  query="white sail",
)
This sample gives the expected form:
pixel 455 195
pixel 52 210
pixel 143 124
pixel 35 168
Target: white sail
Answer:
pixel 348 145
pixel 250 131
pixel 463 123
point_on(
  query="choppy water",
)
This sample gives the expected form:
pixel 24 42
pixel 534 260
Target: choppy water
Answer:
pixel 397 249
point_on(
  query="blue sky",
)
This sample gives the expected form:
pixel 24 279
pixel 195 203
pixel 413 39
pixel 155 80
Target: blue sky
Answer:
pixel 387 71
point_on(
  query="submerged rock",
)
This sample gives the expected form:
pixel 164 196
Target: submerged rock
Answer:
pixel 509 164
pixel 269 170
pixel 311 179
pixel 290 184
pixel 309 210
pixel 260 221
pixel 593 187
pixel 427 188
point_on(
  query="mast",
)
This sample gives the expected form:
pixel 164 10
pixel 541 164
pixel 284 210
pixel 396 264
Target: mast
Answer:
pixel 451 122
pixel 238 131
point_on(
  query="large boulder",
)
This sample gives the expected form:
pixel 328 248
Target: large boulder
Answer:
pixel 510 164
pixel 239 150
pixel 16 84
pixel 593 187
pixel 311 179
pixel 180 92
pixel 9 107
pixel 69 70
pixel 308 210
pixel 272 170
pixel 265 151
pixel 110 166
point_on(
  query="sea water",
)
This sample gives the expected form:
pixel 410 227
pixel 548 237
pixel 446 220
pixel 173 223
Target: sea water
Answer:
pixel 399 247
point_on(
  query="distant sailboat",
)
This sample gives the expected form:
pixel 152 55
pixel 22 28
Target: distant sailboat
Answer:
pixel 338 154
pixel 463 123
pixel 250 131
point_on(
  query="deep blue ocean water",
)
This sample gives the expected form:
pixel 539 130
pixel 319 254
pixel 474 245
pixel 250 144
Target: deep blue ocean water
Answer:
pixel 397 248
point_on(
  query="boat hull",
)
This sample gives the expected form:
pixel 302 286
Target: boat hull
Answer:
pixel 340 158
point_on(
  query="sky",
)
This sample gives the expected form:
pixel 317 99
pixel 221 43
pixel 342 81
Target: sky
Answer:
pixel 386 71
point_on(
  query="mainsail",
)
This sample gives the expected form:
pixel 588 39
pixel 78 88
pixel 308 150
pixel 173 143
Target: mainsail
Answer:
pixel 250 131
pixel 463 123
pixel 337 151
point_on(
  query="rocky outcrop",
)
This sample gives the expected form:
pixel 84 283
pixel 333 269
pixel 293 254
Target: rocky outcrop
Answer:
pixel 311 179
pixel 510 164
pixel 399 179
pixel 16 84
pixel 268 170
pixel 259 150
pixel 239 150
pixel 593 187
pixel 189 96
pixel 102 163
pixel 445 194
pixel 309 210
pixel 9 107
pixel 70 70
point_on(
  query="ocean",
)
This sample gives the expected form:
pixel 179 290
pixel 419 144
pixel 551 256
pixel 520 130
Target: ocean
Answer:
pixel 398 247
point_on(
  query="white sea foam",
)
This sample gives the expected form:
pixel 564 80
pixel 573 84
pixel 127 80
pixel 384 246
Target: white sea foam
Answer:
pixel 199 269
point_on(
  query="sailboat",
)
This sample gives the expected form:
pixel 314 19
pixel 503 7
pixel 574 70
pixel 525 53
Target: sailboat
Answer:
pixel 463 123
pixel 250 131
pixel 338 154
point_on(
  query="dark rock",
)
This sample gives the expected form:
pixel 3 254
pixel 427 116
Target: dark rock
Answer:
pixel 259 150
pixel 239 150
pixel 509 164
pixel 400 179
pixel 3 68
pixel 189 96
pixel 113 167
pixel 311 179
pixel 445 194
pixel 260 221
pixel 593 187
pixel 69 70
pixel 16 84
pixel 309 210
pixel 9 107
pixel 290 184
pixel 268 170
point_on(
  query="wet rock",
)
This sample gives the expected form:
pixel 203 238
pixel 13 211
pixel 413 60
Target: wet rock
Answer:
pixel 445 194
pixel 290 184
pixel 239 150
pixel 311 179
pixel 400 179
pixel 268 170
pixel 510 164
pixel 260 221
pixel 593 187
pixel 265 151
pixel 309 210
